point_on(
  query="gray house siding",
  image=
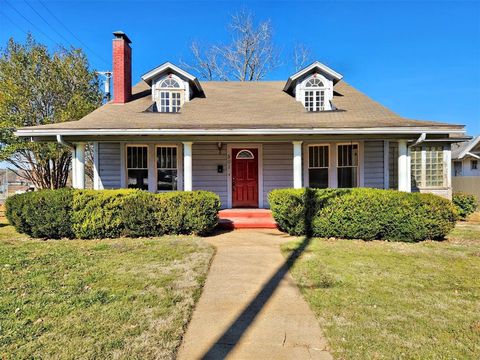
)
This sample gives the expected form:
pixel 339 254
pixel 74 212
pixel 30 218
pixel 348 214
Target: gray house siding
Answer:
pixel 277 167
pixel 205 160
pixel 373 160
pixel 109 165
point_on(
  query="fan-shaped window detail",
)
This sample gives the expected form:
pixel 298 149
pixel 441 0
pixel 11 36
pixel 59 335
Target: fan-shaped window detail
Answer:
pixel 245 154
pixel 169 83
pixel 314 82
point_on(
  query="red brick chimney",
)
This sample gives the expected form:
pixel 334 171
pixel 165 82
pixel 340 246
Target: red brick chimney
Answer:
pixel 122 68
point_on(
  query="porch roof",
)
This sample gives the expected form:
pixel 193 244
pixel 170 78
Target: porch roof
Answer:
pixel 243 106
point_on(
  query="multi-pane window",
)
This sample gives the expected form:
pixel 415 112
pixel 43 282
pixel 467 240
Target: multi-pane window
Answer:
pixel 416 166
pixel 427 166
pixel 347 165
pixel 137 167
pixel 166 168
pixel 170 101
pixel 318 163
pixel 314 98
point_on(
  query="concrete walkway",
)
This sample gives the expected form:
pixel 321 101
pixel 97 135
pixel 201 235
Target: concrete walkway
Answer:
pixel 250 307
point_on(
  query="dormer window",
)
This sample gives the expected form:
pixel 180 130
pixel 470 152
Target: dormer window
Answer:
pixel 314 94
pixel 171 96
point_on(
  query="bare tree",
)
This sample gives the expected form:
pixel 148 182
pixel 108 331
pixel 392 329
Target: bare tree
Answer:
pixel 250 56
pixel 301 56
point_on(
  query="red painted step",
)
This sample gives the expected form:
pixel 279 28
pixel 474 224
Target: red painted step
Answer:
pixel 246 219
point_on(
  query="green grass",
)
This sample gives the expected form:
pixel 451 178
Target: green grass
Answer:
pixel 123 298
pixel 385 300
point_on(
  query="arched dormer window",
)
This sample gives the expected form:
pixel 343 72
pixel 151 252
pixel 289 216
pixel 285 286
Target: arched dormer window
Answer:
pixel 170 95
pixel 314 94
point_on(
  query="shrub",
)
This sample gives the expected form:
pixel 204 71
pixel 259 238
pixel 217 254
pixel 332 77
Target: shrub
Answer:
pixel 42 214
pixel 465 204
pixel 91 214
pixel 363 214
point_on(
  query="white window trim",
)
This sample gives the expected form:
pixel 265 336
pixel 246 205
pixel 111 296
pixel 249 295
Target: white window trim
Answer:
pixel 327 89
pixel 232 146
pixel 170 92
pixel 332 171
pixel 359 166
pixel 125 162
pixel 152 164
pixel 177 168
pixel 306 174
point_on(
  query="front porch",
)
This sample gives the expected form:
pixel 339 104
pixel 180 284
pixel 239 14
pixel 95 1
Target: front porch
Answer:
pixel 242 173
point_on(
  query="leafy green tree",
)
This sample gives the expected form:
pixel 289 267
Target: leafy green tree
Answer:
pixel 36 88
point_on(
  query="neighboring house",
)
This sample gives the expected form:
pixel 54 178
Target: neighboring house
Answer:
pixel 466 166
pixel 243 139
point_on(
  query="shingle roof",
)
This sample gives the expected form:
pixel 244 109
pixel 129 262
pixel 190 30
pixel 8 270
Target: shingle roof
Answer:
pixel 461 149
pixel 250 105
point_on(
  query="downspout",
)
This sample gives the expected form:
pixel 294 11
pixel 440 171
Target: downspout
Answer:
pixel 420 140
pixel 61 141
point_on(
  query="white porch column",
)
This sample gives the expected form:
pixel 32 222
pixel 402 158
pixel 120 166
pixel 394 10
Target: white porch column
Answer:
pixel 297 164
pixel 403 167
pixel 78 167
pixel 187 166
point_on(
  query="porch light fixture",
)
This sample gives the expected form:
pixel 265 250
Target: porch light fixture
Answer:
pixel 219 147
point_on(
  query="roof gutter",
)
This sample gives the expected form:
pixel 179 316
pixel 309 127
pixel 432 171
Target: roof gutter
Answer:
pixel 278 131
pixel 61 141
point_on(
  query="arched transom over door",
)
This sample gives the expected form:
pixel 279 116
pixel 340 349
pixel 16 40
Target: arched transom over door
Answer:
pixel 245 177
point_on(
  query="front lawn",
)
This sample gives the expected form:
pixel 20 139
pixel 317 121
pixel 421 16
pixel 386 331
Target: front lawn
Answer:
pixel 97 299
pixel 390 300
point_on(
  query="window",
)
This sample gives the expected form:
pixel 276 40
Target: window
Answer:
pixel 314 95
pixel 393 165
pixel 434 166
pixel 170 95
pixel 245 154
pixel 166 168
pixel 347 165
pixel 457 168
pixel 170 101
pixel 416 166
pixel 318 163
pixel 427 166
pixel 474 164
pixel 137 167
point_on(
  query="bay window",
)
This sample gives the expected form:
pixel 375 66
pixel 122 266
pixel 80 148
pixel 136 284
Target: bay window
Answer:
pixel 347 165
pixel 137 167
pixel 318 164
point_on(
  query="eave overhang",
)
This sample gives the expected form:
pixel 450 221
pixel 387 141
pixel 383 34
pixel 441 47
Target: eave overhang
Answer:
pixel 168 66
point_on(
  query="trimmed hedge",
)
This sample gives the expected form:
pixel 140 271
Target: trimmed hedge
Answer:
pixel 361 213
pixel 466 204
pixel 89 214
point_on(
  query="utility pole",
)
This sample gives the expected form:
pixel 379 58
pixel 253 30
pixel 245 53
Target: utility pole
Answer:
pixel 106 83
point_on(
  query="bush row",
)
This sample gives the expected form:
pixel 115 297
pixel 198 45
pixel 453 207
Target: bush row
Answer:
pixel 89 214
pixel 466 204
pixel 367 214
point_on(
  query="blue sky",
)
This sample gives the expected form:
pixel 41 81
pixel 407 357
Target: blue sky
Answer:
pixel 419 58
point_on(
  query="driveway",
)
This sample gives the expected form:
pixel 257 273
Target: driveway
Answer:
pixel 250 307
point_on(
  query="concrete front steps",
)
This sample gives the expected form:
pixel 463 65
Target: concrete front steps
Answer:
pixel 246 219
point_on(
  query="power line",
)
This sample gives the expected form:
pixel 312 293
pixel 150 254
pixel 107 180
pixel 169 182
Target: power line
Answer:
pixel 46 22
pixel 32 24
pixel 71 33
pixel 14 23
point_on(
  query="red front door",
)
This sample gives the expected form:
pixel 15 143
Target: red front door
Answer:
pixel 245 177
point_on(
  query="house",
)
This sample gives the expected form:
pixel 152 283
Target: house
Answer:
pixel 243 139
pixel 466 167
